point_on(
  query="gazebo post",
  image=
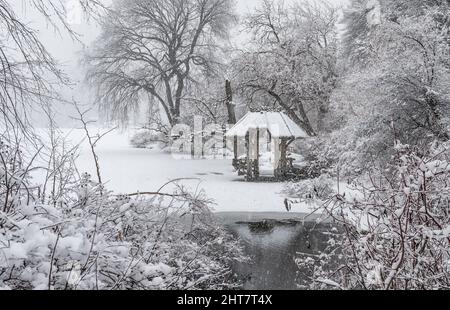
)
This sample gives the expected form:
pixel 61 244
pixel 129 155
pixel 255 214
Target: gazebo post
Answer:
pixel 249 176
pixel 252 139
pixel 235 151
pixel 280 172
pixel 284 156
pixel 256 160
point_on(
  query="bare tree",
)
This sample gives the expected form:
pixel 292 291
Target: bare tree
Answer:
pixel 27 70
pixel 154 47
pixel 292 62
pixel 92 140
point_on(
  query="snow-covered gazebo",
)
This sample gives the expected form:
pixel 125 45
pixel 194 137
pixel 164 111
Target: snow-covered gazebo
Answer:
pixel 281 130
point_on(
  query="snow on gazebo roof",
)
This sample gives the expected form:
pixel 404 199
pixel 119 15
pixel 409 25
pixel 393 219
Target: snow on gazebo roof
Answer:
pixel 277 123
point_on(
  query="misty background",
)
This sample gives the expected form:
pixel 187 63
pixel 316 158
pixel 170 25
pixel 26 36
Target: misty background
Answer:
pixel 69 52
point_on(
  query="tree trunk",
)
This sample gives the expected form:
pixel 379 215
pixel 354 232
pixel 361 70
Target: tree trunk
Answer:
pixel 323 110
pixel 281 169
pixel 249 176
pixel 232 120
pixel 229 102
pixel 303 123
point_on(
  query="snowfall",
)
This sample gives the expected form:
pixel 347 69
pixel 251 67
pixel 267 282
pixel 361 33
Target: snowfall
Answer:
pixel 127 170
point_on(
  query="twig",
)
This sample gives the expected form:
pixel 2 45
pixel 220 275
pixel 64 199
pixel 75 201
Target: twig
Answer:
pixel 52 259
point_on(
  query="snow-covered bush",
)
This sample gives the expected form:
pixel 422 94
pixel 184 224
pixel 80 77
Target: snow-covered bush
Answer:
pixel 88 238
pixel 14 178
pixel 148 139
pixel 104 242
pixel 395 232
pixel 309 191
pixel 320 157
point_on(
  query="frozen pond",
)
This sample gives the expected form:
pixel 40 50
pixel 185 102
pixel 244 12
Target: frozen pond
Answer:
pixel 128 170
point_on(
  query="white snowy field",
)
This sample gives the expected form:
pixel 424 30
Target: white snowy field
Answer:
pixel 128 170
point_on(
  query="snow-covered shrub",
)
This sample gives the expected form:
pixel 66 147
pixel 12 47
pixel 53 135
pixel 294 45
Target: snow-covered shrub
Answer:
pixel 395 232
pixel 14 178
pixel 148 139
pixel 309 191
pixel 80 236
pixel 100 241
pixel 319 156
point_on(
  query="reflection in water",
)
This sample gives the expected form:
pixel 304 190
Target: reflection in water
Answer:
pixel 273 250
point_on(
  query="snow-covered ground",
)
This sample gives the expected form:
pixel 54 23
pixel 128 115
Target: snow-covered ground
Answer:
pixel 129 170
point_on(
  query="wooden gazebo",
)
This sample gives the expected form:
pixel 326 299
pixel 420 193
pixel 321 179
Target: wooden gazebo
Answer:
pixel 281 130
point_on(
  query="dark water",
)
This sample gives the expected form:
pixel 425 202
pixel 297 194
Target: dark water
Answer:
pixel 272 241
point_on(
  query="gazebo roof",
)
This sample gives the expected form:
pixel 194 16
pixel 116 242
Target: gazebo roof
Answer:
pixel 277 123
